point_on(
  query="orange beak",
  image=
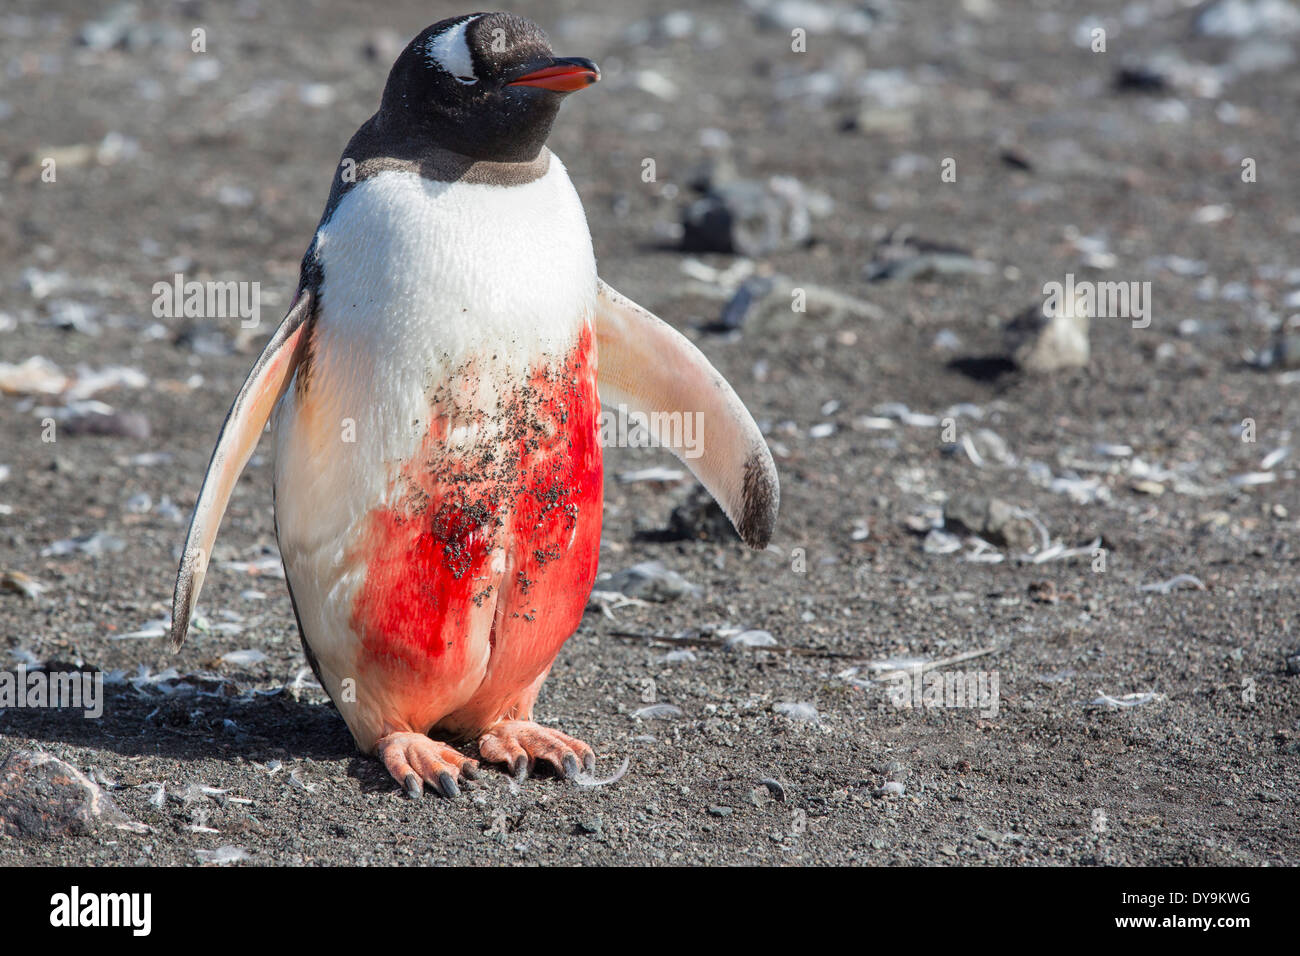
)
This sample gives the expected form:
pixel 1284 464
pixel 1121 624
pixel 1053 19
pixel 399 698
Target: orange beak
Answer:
pixel 562 74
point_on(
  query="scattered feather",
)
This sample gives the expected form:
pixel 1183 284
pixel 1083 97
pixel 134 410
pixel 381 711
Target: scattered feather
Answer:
pixel 243 658
pixel 657 712
pixel 222 855
pixel 1128 700
pixel 801 711
pixel 585 779
pixel 1188 582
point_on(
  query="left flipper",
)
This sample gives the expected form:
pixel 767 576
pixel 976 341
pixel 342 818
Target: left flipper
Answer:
pixel 648 366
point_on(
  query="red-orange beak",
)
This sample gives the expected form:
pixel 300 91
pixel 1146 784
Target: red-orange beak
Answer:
pixel 562 74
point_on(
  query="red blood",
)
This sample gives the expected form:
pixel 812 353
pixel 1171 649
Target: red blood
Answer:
pixel 431 586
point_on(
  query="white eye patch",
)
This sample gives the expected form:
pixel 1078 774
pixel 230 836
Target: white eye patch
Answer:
pixel 449 52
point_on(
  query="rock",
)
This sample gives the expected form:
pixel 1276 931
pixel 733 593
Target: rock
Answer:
pixel 992 519
pixel 1048 343
pixel 751 218
pixel 752 638
pixel 892 788
pixel 45 798
pixel 1140 79
pixel 95 545
pixel 18 583
pixel 700 518
pixel 651 581
pixel 109 422
pixel 751 291
pixel 904 258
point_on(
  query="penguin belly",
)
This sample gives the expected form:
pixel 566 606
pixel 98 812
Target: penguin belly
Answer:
pixel 438 470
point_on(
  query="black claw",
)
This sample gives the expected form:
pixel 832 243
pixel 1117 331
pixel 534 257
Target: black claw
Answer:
pixel 414 788
pixel 519 766
pixel 589 761
pixel 448 784
pixel 469 771
pixel 570 766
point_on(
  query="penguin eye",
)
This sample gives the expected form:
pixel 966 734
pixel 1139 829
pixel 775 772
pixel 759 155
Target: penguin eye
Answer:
pixel 449 51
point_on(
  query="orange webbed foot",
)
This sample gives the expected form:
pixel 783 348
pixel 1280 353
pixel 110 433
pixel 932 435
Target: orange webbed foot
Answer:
pixel 413 758
pixel 520 743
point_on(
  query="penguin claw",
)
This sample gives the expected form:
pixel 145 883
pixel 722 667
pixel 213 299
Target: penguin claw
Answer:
pixel 448 784
pixel 414 759
pixel 520 743
pixel 414 788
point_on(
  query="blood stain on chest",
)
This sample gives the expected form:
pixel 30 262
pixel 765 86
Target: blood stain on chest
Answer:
pixel 489 529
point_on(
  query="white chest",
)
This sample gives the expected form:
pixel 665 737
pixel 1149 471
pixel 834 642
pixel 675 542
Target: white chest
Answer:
pixel 433 292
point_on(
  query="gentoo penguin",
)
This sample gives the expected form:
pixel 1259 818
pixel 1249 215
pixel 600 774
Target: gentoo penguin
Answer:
pixel 434 394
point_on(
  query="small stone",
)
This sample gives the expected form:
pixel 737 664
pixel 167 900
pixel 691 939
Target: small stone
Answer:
pixel 752 638
pixel 992 519
pixel 651 581
pixel 108 423
pixel 699 518
pixel 1049 338
pixel 891 788
pixel 751 218
pixel 718 811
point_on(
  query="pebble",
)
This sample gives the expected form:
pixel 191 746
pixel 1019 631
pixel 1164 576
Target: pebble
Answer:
pixel 752 638
pixel 751 217
pixel 1040 343
pixel 992 519
pixel 651 581
pixel 99 543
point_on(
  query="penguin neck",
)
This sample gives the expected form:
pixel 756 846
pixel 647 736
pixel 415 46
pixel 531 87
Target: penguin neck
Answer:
pixel 379 147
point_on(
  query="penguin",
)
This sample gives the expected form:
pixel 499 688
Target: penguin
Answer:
pixel 435 395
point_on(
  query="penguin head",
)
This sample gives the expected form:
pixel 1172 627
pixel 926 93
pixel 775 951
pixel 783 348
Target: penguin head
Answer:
pixel 485 85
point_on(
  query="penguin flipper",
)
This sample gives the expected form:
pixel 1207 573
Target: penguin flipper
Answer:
pixel 243 427
pixel 648 367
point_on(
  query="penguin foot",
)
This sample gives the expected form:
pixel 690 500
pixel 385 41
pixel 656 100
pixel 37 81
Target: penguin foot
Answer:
pixel 520 743
pixel 414 758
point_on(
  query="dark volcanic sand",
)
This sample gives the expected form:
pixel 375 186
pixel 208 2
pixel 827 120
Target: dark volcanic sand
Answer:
pixel 1203 775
